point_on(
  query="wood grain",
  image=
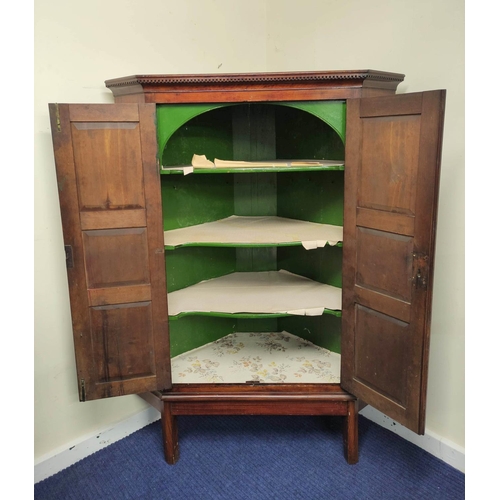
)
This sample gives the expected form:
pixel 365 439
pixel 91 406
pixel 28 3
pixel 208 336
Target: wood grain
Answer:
pixel 109 193
pixel 392 170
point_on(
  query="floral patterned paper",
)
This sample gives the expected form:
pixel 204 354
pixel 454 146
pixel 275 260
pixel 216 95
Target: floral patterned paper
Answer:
pixel 257 356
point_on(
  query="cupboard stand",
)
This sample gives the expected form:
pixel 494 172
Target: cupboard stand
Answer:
pixel 255 399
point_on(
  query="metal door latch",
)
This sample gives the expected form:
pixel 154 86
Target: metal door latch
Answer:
pixel 420 270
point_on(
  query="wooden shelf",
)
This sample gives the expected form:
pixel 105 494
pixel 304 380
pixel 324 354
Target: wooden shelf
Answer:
pixel 244 294
pixel 240 231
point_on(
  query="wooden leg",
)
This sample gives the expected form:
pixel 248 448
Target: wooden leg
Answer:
pixel 170 435
pixel 351 433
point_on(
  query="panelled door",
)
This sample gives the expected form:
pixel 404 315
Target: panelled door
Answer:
pixel 109 192
pixel 393 150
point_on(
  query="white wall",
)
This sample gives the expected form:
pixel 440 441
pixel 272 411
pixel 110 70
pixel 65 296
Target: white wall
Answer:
pixel 78 45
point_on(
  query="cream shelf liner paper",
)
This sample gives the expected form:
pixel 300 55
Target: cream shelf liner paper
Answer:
pixel 277 357
pixel 201 161
pixel 257 292
pixel 256 230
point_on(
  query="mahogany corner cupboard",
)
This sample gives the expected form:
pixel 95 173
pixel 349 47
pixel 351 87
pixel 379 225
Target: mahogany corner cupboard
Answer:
pixel 263 244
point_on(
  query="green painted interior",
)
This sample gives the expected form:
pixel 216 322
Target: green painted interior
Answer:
pixel 257 325
pixel 187 266
pixel 256 259
pixel 322 264
pixel 307 130
pixel 211 328
pixel 252 132
pixel 315 196
pixel 323 331
pixel 190 332
pixel 300 135
pixel 188 127
pixel 194 199
pixel 312 196
pixel 254 139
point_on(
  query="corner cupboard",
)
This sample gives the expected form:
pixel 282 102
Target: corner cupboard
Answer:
pixel 253 243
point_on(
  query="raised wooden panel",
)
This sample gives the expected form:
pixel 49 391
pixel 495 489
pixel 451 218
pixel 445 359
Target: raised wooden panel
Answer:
pixel 109 191
pixel 110 175
pixel 115 257
pixel 382 354
pixel 119 295
pixel 123 341
pixel 104 219
pixel 393 148
pixel 388 221
pixel 405 104
pixel 384 303
pixel 383 262
pixel 103 113
pixel 388 167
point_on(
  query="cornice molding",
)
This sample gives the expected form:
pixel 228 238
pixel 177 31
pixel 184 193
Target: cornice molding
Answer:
pixel 241 78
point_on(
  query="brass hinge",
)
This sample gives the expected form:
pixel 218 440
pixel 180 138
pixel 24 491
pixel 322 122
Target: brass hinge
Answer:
pixel 82 390
pixel 420 270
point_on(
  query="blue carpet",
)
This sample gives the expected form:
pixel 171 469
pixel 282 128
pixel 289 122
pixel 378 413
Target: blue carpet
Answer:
pixel 257 458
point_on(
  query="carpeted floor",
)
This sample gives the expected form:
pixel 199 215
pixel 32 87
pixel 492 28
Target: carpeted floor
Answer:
pixel 258 458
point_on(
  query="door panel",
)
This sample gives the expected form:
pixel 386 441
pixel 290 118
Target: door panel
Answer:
pixel 108 165
pixel 388 167
pixel 116 325
pixel 109 190
pixel 393 149
pixel 116 257
pixel 374 271
pixel 380 336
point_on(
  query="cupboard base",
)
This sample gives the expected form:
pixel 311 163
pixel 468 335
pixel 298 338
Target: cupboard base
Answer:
pixel 255 399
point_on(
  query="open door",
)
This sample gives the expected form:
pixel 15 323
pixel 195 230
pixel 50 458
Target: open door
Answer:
pixel 393 150
pixel 109 192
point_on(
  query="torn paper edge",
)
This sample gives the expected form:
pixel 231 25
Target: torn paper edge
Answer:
pixel 312 245
pixel 185 170
pixel 313 311
pixel 201 161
